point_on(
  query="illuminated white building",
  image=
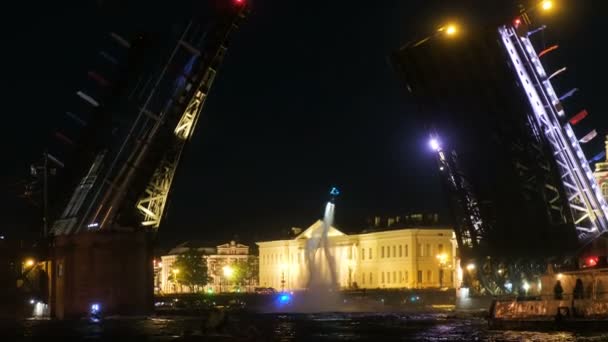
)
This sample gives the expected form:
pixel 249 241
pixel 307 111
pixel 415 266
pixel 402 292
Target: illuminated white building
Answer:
pixel 396 258
pixel 601 173
pixel 215 257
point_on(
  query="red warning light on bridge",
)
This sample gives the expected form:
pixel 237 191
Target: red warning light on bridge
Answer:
pixel 591 261
pixel 516 22
pixel 239 2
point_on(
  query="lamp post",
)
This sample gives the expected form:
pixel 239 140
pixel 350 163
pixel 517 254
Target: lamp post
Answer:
pixel 282 267
pixel 443 260
pixel 175 272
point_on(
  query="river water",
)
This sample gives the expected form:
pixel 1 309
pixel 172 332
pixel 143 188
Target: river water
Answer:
pixel 377 327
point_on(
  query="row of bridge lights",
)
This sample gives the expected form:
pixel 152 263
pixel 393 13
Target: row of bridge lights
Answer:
pixel 452 29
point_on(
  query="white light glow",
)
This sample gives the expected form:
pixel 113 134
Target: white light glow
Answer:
pixel 434 143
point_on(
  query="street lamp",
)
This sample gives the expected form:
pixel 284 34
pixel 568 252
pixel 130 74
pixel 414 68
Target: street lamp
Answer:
pixel 29 262
pixel 228 273
pixel 282 267
pixel 175 272
pixel 546 5
pixel 443 260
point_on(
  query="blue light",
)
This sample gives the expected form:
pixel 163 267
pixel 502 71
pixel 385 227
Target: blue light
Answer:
pixel 95 308
pixel 334 191
pixel 284 298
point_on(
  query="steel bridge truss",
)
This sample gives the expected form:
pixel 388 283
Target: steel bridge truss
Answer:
pixel 587 205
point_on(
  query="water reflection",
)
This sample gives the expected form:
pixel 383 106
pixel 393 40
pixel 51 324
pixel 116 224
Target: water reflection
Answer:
pixel 288 327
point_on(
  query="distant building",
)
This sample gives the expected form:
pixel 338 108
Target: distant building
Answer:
pixel 396 258
pixel 601 173
pixel 216 257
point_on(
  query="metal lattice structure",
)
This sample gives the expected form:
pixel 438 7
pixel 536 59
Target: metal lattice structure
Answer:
pixel 152 204
pixel 470 228
pixel 129 185
pixel 587 205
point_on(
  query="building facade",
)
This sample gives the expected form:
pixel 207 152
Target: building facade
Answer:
pixel 397 258
pixel 601 173
pixel 216 258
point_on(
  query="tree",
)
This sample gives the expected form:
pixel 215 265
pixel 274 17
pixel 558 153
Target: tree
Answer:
pixel 246 271
pixel 191 269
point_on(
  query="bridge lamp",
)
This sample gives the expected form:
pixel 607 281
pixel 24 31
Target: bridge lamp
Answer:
pixel 29 262
pixel 449 30
pixel 470 267
pixel 434 143
pixel 546 5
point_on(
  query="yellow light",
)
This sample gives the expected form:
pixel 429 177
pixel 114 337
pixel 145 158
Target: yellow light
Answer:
pixel 443 258
pixel 547 5
pixel 160 264
pixel 500 271
pixel 175 270
pixel 559 276
pixel 470 267
pixel 29 262
pixel 451 30
pixel 228 271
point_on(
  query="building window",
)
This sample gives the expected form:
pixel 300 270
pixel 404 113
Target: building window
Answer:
pixel 439 248
pixel 362 253
pixel 605 189
pixel 382 252
pixel 388 277
pixel 400 251
pixel 394 251
pixel 382 277
pixel 428 276
pixel 406 251
pixel 388 251
pixel 371 278
pixel 406 276
pixel 400 277
pixel 394 277
pixel 428 250
pixel 370 253
pixel 419 276
pixel 419 249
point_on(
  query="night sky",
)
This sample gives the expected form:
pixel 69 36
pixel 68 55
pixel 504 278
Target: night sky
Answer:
pixel 305 100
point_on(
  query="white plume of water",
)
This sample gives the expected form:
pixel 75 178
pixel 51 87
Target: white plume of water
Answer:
pixel 321 264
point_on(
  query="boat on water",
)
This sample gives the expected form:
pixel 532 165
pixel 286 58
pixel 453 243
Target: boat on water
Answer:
pixel 569 300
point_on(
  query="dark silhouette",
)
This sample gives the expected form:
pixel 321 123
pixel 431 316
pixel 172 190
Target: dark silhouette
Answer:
pixel 578 289
pixel 558 291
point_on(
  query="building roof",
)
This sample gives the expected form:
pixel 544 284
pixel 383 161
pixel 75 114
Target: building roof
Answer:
pixel 204 247
pixel 307 234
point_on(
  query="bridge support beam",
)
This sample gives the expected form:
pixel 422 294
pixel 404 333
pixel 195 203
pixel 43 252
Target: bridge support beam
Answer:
pixel 110 269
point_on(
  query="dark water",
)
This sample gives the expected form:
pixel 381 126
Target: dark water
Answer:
pixel 284 327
